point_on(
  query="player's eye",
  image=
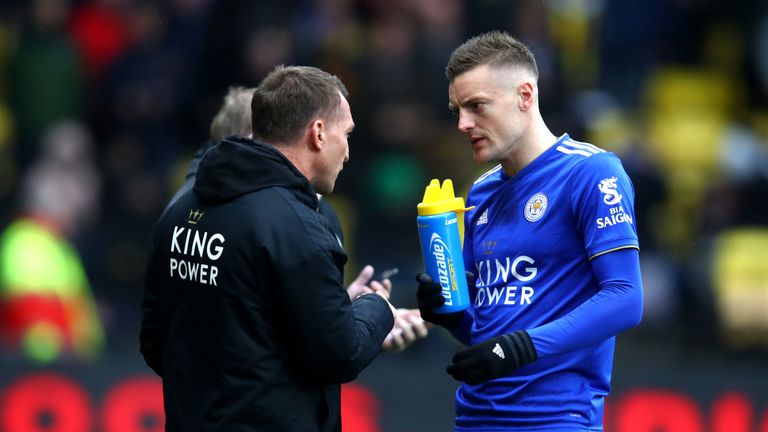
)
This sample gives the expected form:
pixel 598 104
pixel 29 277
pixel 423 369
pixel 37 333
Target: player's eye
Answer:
pixel 477 106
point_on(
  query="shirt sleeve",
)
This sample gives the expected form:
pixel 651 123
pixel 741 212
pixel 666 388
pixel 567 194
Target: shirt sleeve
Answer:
pixel 603 202
pixel 616 307
pixel 331 338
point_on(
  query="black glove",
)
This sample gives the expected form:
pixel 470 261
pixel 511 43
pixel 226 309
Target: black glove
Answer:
pixel 493 358
pixel 429 296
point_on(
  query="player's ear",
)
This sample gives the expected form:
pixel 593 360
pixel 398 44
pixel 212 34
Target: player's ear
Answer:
pixel 526 93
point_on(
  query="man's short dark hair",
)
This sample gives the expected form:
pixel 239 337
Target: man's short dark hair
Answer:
pixel 234 116
pixel 289 97
pixel 494 48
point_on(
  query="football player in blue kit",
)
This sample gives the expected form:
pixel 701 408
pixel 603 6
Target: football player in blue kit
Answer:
pixel 552 246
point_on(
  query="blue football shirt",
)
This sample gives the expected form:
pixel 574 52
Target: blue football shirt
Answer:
pixel 529 241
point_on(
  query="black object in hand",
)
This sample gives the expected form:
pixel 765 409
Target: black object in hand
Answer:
pixel 493 358
pixel 429 296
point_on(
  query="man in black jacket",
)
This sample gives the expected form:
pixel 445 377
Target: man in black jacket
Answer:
pixel 246 318
pixel 234 118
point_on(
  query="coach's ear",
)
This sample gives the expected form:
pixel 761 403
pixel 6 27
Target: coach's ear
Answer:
pixel 317 135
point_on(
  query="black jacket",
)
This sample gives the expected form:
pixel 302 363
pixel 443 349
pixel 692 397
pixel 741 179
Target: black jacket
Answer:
pixel 246 318
pixel 323 207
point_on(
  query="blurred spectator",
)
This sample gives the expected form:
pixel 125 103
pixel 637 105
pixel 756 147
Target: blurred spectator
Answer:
pixel 47 308
pixel 142 91
pixel 99 29
pixel 38 97
pixel 744 166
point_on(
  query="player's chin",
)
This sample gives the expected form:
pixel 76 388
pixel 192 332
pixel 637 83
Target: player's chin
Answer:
pixel 482 156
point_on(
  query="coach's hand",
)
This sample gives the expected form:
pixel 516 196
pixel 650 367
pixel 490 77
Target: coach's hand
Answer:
pixel 494 358
pixel 429 296
pixel 409 327
pixel 364 285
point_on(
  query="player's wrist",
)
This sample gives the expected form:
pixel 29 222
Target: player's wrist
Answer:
pixel 521 346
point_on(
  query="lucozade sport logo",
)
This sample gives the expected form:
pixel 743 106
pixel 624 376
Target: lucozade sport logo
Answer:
pixel 446 274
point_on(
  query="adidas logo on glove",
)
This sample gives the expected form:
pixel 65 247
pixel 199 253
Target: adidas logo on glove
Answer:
pixel 498 351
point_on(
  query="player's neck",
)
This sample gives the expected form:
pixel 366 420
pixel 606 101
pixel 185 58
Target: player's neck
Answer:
pixel 530 147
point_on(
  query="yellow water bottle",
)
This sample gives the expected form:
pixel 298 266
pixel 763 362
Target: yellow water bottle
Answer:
pixel 440 224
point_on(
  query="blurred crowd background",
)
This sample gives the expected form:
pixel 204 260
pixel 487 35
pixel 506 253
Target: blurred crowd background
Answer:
pixel 103 103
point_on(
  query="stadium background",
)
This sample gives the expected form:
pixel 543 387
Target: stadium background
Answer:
pixel 678 88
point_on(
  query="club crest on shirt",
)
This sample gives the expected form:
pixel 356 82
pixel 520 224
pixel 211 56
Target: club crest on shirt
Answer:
pixel 608 188
pixel 536 206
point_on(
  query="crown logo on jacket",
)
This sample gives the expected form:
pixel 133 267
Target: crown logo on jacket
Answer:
pixel 195 216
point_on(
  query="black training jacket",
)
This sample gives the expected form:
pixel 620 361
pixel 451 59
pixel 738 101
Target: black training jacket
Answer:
pixel 245 316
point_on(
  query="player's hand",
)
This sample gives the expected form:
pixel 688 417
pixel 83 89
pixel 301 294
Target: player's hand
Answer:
pixel 364 285
pixel 494 358
pixel 409 327
pixel 429 297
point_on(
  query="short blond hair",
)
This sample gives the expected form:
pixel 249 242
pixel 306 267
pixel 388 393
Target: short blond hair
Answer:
pixel 234 116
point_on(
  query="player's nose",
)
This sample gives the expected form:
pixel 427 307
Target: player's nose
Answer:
pixel 466 122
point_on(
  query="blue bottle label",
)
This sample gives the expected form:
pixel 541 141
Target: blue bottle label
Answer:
pixel 443 260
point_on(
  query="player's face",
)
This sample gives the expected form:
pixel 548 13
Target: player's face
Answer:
pixel 336 148
pixel 486 102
